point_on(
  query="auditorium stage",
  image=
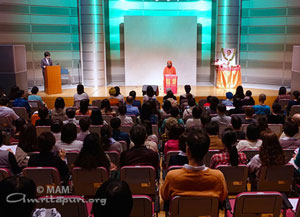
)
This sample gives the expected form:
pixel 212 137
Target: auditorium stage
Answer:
pixel 200 92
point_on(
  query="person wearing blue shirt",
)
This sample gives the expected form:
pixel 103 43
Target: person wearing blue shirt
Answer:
pixel 262 109
pixel 131 110
pixel 117 135
pixel 228 101
pixel 21 101
pixel 136 103
pixel 34 95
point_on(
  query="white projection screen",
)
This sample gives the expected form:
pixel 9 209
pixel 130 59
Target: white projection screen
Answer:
pixel 150 41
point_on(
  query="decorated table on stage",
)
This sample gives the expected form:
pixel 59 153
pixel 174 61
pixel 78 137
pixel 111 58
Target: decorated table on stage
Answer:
pixel 228 77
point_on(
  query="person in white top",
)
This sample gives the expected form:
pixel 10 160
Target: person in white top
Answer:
pixel 253 142
pixel 70 112
pixel 84 129
pixel 118 95
pixel 188 111
pixel 80 95
pixel 195 121
pixel 6 111
pixel 125 120
pixel 150 95
pixel 68 139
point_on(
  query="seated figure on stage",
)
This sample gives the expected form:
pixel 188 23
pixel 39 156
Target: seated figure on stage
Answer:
pixel 169 69
pixel 228 56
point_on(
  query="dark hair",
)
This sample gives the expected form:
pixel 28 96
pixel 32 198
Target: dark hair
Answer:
pixel 221 108
pixel 214 103
pixel 262 122
pixel 115 123
pixel 92 154
pixel 290 128
pixel 282 91
pixel 1 138
pixel 150 91
pixel 80 89
pixel 56 126
pixel 117 91
pixel 187 88
pixel 118 197
pixel 174 112
pixel 240 92
pixel 59 103
pixel 133 94
pixel 96 117
pixel 208 99
pixel 296 94
pixel 46 142
pixel 262 97
pixel 43 112
pixel 146 111
pixel 84 106
pixel 122 109
pixel 276 108
pixel 138 135
pixel 105 137
pixel 191 102
pixel 182 142
pixel 4 100
pixel 84 124
pixel 197 111
pixel 271 153
pixel 252 132
pixel 27 138
pixel 68 133
pixel 148 126
pixel 46 54
pixel 13 93
pixel 198 144
pixel 19 123
pixel 249 93
pixel 22 187
pixel 205 119
pixel 249 111
pixel 34 90
pixel 212 128
pixel 167 106
pixel 236 122
pixel 20 93
pixel 105 104
pixel 70 112
pixel 129 100
pixel 237 102
pixel 175 131
pixel 229 139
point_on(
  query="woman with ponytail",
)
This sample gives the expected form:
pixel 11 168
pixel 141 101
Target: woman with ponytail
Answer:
pixel 108 143
pixel 230 156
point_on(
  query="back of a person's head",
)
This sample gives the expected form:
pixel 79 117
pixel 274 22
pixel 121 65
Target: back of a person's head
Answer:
pixel 114 199
pixel 296 118
pixel 198 144
pixel 221 108
pixel 84 106
pixel 205 119
pixel 282 91
pixel 80 89
pixel 262 122
pixel 13 92
pixel 187 88
pixel 252 132
pixel 68 133
pixel 229 95
pixel 14 190
pixel 105 104
pixel 229 139
pixel 112 91
pixel 236 122
pixel 70 112
pixel 118 91
pixel 56 126
pixel 20 93
pixel 4 100
pixel 129 100
pixel 138 135
pixel 214 103
pixel 115 123
pixel 43 112
pixel 122 109
pixel 212 128
pixel 175 131
pixel 34 90
pixel 191 102
pixel 46 141
pixel 174 112
pixel 84 124
pixel 276 108
pixel 27 138
pixel 96 117
pixel 182 142
pixel 167 106
pixel 290 128
pixel 249 111
pixel 150 91
pixel 196 112
pixel 105 136
pixel 262 97
pixel 249 93
pixel 208 99
pixel 239 91
pixel 132 93
pixel 148 126
pixel 59 103
pixel 19 124
pixel 296 94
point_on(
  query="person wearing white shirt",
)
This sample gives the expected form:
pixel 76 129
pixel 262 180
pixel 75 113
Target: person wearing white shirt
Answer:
pixel 6 111
pixel 68 139
pixel 80 95
pixel 253 142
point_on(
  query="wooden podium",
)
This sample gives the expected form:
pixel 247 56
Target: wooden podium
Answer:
pixel 53 80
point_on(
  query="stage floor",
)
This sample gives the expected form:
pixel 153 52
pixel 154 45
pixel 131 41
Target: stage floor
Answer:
pixel 201 92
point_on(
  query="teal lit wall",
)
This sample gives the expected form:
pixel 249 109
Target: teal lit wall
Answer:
pixel 42 25
pixel 117 9
pixel 269 31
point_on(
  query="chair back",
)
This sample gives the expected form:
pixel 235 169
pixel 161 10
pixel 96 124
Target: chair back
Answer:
pixel 241 116
pixel 142 206
pixel 194 206
pixel 124 145
pixel 236 177
pixel 46 177
pixel 79 117
pixel 294 110
pixel 284 103
pixel 42 129
pixel 175 167
pixel 133 117
pixel 250 153
pixel 4 173
pixel 207 157
pixel 91 107
pixel 107 118
pixel 77 103
pixel 141 179
pixel 21 112
pixel 5 123
pixel 74 206
pixel 169 154
pixel 222 127
pixel 244 127
pixel 288 153
pixel 86 182
pixel 276 128
pixel 71 158
pixel 252 204
pixel 114 157
pixel 97 103
pixel 95 129
pixel 202 102
pixel 59 117
pixel 34 104
pixel 125 128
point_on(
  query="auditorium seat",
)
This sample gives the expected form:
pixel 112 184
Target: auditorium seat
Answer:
pixel 79 117
pixel 276 128
pixel 155 130
pixel 142 206
pixel 95 129
pixel 71 158
pixel 124 145
pixel 294 109
pixel 207 157
pixel 194 206
pixel 284 103
pixel 21 112
pixel 236 178
pixel 255 204
pixel 4 173
pixel 114 157
pixel 97 103
pixel 60 117
pixel 125 128
pixel 244 128
pixel 73 206
pixel 5 123
pixel 42 129
pixel 86 182
pixel 250 153
pixel 35 105
pixel 107 118
pixel 133 117
pixel 175 167
pixel 168 157
pixel 77 103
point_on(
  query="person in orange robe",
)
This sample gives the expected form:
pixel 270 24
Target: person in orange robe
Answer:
pixel 169 69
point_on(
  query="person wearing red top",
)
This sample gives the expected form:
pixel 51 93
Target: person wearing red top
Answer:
pixel 169 69
pixel 173 143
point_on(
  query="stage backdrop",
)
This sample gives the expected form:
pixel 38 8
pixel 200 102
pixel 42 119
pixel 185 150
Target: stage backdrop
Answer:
pixel 150 41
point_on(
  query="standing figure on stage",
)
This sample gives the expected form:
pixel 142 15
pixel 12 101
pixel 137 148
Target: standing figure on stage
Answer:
pixel 169 69
pixel 45 62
